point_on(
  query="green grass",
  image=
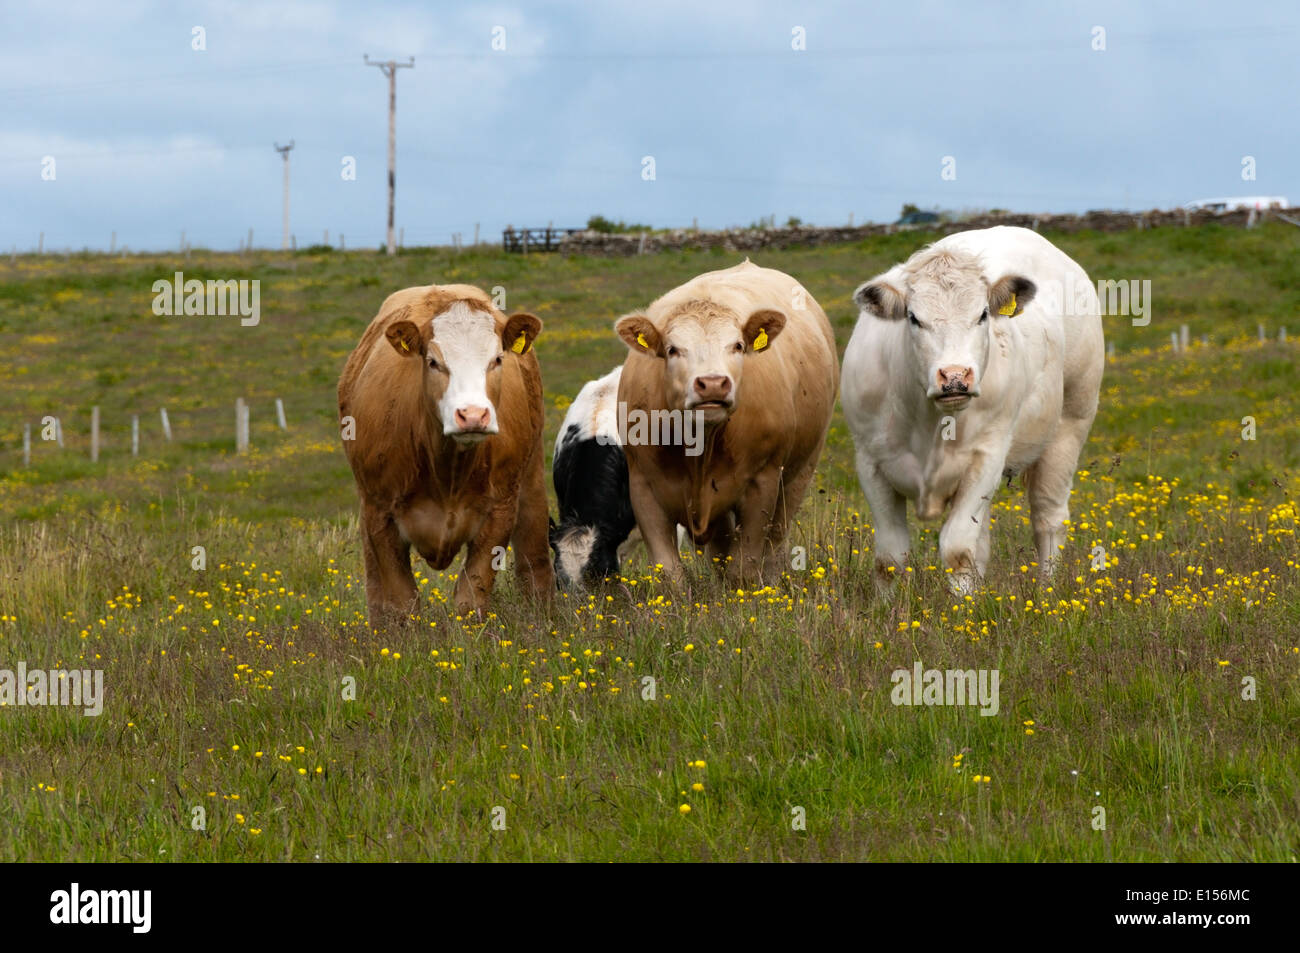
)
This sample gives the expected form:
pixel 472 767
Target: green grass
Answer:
pixel 1131 676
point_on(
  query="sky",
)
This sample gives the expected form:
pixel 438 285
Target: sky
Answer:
pixel 661 113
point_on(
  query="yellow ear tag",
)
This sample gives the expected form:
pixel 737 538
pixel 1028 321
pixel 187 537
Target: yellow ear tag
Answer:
pixel 640 339
pixel 760 342
pixel 404 347
pixel 520 345
pixel 1008 309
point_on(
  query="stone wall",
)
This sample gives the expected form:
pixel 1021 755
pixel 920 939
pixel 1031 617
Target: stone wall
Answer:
pixel 756 239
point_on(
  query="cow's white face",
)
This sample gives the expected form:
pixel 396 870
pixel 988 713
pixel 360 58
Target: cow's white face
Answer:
pixel 703 348
pixel 463 350
pixel 949 309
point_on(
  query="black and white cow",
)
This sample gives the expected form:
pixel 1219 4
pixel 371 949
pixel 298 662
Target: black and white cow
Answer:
pixel 590 476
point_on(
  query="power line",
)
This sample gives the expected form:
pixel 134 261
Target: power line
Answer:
pixel 1255 35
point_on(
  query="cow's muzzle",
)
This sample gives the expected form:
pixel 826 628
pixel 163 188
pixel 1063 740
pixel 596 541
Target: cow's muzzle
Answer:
pixel 472 424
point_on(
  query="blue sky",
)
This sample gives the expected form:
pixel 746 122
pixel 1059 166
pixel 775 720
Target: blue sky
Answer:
pixel 150 136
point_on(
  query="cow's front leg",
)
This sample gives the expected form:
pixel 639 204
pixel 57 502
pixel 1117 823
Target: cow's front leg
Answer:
pixel 486 554
pixel 889 522
pixel 657 529
pixel 391 595
pixel 963 546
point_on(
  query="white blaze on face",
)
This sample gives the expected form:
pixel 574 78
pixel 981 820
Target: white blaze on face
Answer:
pixel 466 343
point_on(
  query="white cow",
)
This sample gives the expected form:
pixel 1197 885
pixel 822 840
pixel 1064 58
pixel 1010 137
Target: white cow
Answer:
pixel 979 357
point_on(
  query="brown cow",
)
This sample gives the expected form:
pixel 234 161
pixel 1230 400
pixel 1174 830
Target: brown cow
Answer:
pixel 445 396
pixel 749 354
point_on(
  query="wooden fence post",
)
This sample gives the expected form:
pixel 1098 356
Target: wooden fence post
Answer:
pixel 279 414
pixel 94 435
pixel 166 424
pixel 241 425
pixel 135 435
pixel 27 445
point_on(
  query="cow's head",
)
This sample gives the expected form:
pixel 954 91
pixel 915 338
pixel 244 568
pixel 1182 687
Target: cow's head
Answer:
pixel 702 347
pixel 462 350
pixel 949 308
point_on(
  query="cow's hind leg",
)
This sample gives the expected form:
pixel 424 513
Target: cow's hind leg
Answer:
pixel 391 594
pixel 533 568
pixel 789 498
pixel 1047 484
pixel 722 542
pixel 758 508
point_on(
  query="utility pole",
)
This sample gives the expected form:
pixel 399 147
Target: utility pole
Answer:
pixel 284 151
pixel 389 69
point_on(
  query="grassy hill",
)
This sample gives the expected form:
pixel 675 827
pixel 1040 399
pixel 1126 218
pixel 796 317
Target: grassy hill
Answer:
pixel 1121 688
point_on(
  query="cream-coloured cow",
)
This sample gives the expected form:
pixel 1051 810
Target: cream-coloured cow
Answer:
pixel 749 354
pixel 979 357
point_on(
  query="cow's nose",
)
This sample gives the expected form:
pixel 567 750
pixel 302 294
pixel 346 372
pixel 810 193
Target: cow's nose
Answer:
pixel 713 386
pixel 956 378
pixel 472 418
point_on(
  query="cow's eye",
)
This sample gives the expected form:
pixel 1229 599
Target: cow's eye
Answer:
pixel 985 316
pixel 497 362
pixel 433 365
pixel 672 351
pixel 738 347
pixel 911 317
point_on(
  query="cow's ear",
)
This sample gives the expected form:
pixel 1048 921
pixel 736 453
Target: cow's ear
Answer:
pixel 881 299
pixel 762 328
pixel 520 331
pixel 640 334
pixel 406 339
pixel 1010 294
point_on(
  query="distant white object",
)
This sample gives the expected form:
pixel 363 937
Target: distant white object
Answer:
pixel 1240 202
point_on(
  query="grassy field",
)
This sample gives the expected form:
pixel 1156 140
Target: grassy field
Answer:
pixel 225 688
